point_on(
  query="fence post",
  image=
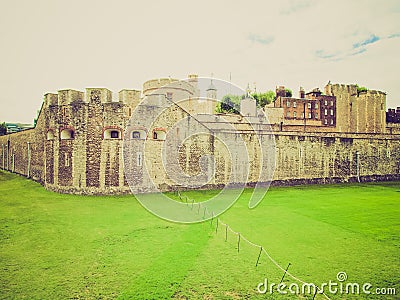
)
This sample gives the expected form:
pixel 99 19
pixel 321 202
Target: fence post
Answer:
pixel 284 273
pixel 3 155
pixel 29 159
pixel 259 255
pixel 239 242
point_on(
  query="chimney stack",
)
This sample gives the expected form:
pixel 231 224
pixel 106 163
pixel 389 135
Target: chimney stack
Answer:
pixel 302 93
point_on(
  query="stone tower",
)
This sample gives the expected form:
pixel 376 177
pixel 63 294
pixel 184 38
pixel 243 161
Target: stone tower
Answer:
pixel 248 106
pixel 359 111
pixel 211 98
pixel 211 91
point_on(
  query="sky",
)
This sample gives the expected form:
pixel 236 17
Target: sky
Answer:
pixel 50 45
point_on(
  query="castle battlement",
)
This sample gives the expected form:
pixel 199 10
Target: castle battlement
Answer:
pixel 129 97
pixel 154 84
pixel 363 111
pixel 342 88
pixel 98 95
pixel 372 92
pixel 66 97
pixel 50 99
pixel 77 143
pixel 189 87
pixel 101 95
pixel 350 88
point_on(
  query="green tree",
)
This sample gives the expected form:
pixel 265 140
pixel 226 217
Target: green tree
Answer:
pixel 229 104
pixel 264 98
pixel 3 129
pixel 361 89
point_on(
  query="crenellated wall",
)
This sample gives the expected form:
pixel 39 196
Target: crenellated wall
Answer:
pixel 77 144
pixel 358 111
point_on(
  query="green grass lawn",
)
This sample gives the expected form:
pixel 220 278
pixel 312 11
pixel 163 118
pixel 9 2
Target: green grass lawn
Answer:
pixel 55 246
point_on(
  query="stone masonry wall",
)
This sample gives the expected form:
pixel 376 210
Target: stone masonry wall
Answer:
pixel 92 163
pixel 358 112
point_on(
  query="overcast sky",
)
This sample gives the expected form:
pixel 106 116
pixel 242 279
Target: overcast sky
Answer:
pixel 51 45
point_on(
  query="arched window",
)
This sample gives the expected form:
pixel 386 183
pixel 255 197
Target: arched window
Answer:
pixel 159 134
pixel 67 134
pixel 50 135
pixel 138 134
pixel 112 133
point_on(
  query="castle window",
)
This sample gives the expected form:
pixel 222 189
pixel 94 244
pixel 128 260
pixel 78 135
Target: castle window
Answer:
pixel 331 112
pixel 326 102
pixel 138 134
pixel 109 134
pixel 67 161
pixel 139 159
pixel 64 111
pixel 309 105
pixel 326 112
pixel 287 103
pixel 50 135
pixel 294 114
pixel 67 134
pixel 294 104
pixel 331 121
pixel 325 121
pixel 159 134
pixel 331 102
pixel 302 115
pixel 316 104
pixel 114 134
pixel 316 115
pixel 309 115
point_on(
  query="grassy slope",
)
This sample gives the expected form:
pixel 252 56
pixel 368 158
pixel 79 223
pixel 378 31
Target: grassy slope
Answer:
pixel 66 246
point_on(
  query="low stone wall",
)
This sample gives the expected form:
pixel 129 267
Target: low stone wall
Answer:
pixel 301 158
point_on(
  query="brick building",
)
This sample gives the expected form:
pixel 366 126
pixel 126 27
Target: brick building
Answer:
pixel 89 143
pixel 310 108
pixel 393 115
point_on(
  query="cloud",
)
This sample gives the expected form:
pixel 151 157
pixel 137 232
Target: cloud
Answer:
pixel 295 6
pixel 353 49
pixel 263 40
pixel 395 35
pixel 362 50
pixel 322 54
pixel 370 40
pixel 300 43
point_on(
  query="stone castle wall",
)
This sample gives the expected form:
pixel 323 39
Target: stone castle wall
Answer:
pixel 91 161
pixel 300 157
pixel 358 112
pixel 393 128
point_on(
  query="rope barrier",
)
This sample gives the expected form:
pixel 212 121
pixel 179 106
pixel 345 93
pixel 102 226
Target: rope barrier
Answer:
pixel 262 249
